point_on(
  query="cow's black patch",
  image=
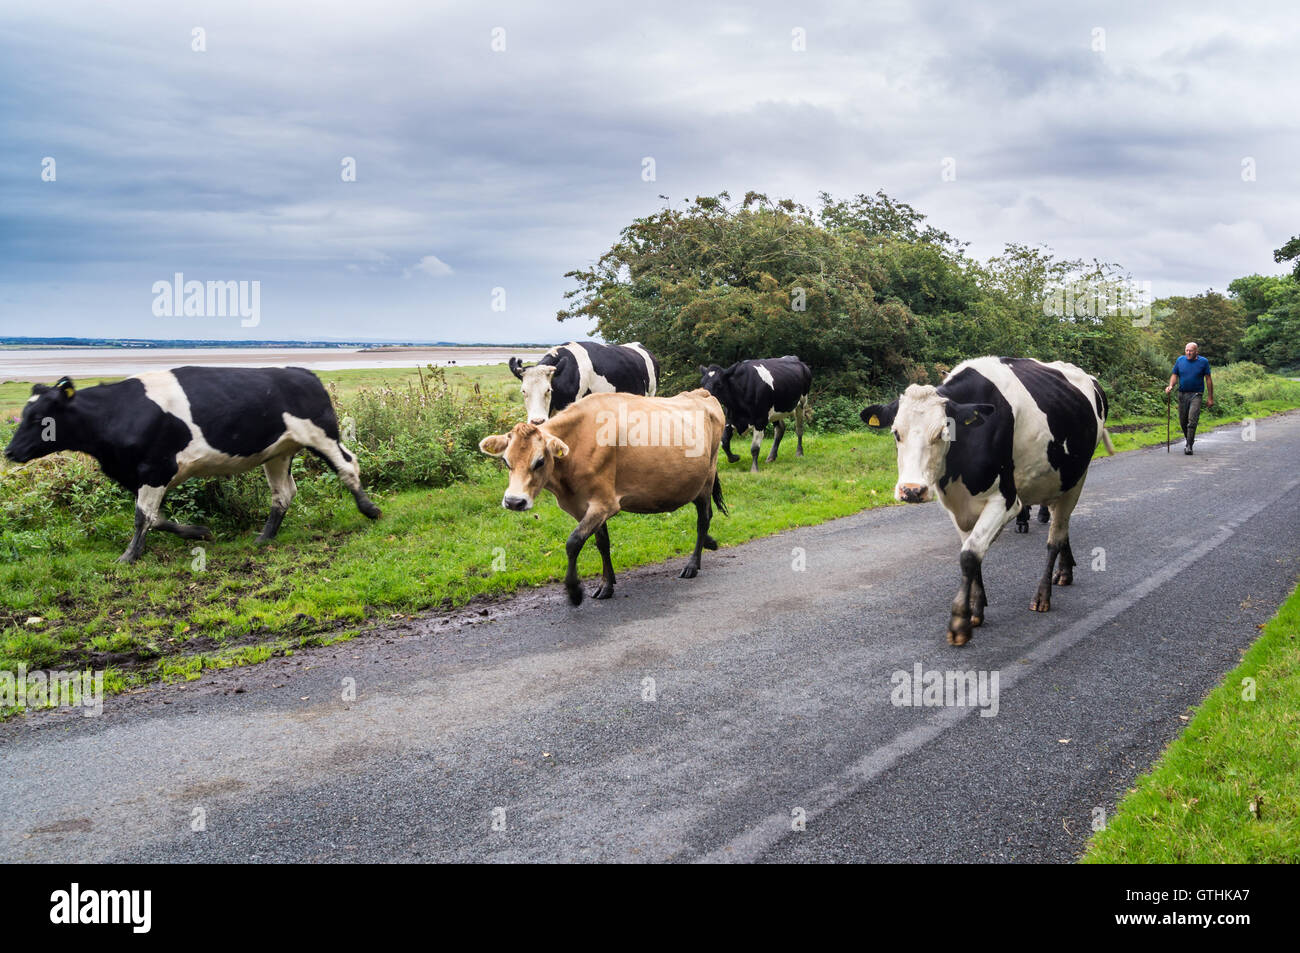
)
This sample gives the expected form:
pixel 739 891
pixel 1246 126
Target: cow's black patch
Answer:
pixel 240 410
pixel 747 399
pixel 1069 417
pixel 1099 396
pixel 980 456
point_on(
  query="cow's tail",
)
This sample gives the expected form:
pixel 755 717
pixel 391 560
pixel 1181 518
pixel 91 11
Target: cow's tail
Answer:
pixel 717 495
pixel 1105 412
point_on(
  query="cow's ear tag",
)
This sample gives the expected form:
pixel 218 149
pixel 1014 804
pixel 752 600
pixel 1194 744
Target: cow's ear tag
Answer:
pixel 874 421
pixel 971 419
pixel 65 385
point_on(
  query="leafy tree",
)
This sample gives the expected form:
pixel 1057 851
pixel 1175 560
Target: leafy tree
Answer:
pixel 1213 321
pixel 715 283
pixel 1290 252
pixel 1272 308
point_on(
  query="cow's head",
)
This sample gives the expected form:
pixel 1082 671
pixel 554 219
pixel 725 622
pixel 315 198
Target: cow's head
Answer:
pixel 530 454
pixel 535 384
pixel 46 422
pixel 924 423
pixel 717 381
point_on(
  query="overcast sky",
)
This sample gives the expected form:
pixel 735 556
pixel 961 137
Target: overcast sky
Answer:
pixel 479 169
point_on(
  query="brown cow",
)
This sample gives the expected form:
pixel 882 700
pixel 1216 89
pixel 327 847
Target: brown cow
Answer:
pixel 612 452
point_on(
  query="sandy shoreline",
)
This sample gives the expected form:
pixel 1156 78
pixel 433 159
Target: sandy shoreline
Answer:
pixel 48 364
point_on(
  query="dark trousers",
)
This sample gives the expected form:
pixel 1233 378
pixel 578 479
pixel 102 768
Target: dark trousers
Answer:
pixel 1189 413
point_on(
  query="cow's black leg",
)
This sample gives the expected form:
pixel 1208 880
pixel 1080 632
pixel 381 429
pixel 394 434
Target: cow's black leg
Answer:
pixel 703 516
pixel 184 530
pixel 148 503
pixel 1043 515
pixel 606 588
pixel 573 546
pixel 342 462
pixel 726 443
pixel 279 474
pixel 1043 597
pixel 779 432
pixel 959 626
pixel 136 546
pixel 799 412
pixel 1022 519
pixel 755 445
pixel 1065 572
pixel 978 599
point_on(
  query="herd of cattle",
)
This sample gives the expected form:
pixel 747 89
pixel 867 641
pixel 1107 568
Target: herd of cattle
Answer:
pixel 998 436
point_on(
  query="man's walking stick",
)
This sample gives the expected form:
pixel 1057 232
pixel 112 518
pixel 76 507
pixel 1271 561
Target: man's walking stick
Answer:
pixel 1169 411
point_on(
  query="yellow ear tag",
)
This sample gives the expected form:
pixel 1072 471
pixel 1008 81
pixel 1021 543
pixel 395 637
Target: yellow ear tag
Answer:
pixel 68 391
pixel 874 421
pixel 971 419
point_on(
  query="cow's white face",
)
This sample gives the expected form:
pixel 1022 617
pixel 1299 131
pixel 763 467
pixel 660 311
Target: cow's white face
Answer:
pixel 530 455
pixel 922 431
pixel 536 388
pixel 923 424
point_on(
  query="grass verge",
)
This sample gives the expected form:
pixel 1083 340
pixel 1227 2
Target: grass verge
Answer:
pixel 1227 790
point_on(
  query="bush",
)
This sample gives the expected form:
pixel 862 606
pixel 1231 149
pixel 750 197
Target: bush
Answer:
pixel 420 436
pixel 837 413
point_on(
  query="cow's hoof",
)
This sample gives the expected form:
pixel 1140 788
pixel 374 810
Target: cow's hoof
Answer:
pixel 1022 527
pixel 126 559
pixel 203 533
pixel 575 594
pixel 690 572
pixel 798 453
pixel 733 458
pixel 710 543
pixel 1064 578
pixel 1044 515
pixel 976 621
pixel 959 631
pixel 754 468
pixel 263 539
pixel 373 512
pixel 1042 602
pixel 603 591
pixel 771 460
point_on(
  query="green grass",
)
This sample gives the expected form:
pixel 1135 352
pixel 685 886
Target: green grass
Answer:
pixel 1228 789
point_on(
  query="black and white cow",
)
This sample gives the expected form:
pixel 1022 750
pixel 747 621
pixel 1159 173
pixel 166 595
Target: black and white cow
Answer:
pixel 156 430
pixel 754 393
pixel 574 370
pixel 998 434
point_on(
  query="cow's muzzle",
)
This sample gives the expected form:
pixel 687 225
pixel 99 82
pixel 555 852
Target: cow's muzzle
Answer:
pixel 913 492
pixel 537 421
pixel 516 502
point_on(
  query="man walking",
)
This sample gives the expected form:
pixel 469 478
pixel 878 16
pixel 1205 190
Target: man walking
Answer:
pixel 1192 375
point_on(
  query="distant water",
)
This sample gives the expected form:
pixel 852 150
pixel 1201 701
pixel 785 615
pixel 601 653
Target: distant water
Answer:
pixel 49 364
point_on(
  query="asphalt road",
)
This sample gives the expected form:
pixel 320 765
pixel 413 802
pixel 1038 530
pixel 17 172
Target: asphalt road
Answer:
pixel 771 701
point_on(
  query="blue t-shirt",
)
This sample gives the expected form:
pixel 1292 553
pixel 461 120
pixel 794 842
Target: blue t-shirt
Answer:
pixel 1192 374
